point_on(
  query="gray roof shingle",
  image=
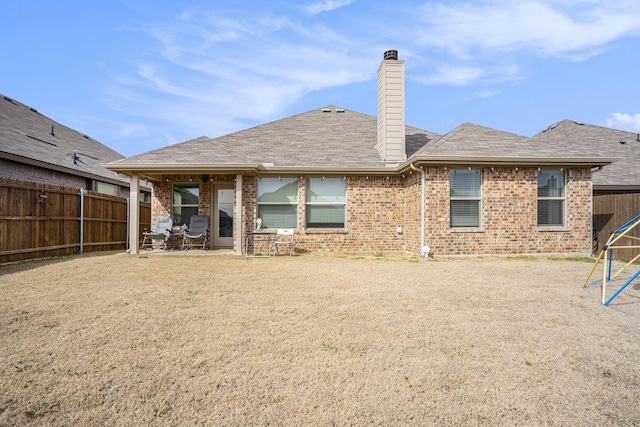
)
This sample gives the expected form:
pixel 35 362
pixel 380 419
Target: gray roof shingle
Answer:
pixel 598 141
pixel 28 136
pixel 319 138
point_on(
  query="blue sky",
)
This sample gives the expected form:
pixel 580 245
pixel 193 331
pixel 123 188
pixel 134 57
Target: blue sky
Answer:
pixel 139 75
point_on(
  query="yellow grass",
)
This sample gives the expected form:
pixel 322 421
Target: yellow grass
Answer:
pixel 124 340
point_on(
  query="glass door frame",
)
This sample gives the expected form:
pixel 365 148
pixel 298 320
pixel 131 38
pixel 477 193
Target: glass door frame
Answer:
pixel 216 241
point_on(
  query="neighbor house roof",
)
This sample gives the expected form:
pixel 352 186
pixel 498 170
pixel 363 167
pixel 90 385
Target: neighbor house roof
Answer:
pixel 29 137
pixel 332 139
pixel 598 141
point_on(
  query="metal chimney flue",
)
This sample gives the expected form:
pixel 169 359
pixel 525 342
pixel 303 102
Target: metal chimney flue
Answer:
pixel 391 54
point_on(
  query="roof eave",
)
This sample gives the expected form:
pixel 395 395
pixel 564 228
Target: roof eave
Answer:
pixel 508 161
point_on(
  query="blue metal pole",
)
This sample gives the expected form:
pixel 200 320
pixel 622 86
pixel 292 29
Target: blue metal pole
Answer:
pixel 622 287
pixel 610 265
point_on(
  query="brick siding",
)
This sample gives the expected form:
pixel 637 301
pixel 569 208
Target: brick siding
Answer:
pixel 383 214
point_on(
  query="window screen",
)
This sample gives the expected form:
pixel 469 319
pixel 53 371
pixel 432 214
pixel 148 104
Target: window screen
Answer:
pixel 278 202
pixel 465 197
pixel 326 199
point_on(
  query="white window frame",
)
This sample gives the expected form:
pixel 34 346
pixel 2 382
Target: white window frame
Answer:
pixel 182 220
pixel 273 183
pixel 559 196
pixel 339 201
pixel 454 198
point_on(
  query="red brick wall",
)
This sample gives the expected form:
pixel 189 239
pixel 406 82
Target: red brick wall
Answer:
pixel 509 215
pixel 377 206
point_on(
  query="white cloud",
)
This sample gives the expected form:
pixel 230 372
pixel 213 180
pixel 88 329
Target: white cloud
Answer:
pixel 548 28
pixel 624 121
pixel 326 6
pixel 472 75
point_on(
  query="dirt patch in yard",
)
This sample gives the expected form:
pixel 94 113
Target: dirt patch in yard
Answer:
pixel 314 340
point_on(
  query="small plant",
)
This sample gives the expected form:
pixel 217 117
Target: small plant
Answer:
pixel 527 363
pixel 378 255
pixel 20 367
pixel 160 412
pixel 9 405
pixel 40 410
pixel 327 346
pixel 606 373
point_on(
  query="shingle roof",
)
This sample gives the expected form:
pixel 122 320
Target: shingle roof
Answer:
pixel 324 137
pixel 338 139
pixel 30 137
pixel 601 142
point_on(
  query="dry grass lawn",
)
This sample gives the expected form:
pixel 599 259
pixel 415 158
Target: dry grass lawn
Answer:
pixel 123 340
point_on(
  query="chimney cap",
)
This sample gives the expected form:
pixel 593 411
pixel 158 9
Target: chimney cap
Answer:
pixel 391 54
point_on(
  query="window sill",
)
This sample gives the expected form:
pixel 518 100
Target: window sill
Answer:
pixel 553 229
pixel 325 231
pixel 466 230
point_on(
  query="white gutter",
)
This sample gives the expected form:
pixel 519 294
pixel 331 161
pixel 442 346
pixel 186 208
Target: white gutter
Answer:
pixel 422 197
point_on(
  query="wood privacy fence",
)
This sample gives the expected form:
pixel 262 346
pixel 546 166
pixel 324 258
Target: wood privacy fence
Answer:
pixel 41 220
pixel 610 212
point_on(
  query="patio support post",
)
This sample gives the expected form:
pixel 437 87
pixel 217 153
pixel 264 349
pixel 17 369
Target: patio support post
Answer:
pixel 134 214
pixel 237 223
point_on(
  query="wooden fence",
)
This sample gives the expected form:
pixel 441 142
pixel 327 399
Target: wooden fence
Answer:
pixel 610 212
pixel 42 220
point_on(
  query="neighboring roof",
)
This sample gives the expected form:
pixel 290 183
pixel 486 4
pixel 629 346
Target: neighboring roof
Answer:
pixel 328 138
pixel 599 141
pixel 26 136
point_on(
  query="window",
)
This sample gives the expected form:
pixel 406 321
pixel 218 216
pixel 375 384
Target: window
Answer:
pixel 465 197
pixel 326 199
pixel 551 198
pixel 278 202
pixel 185 202
pixel 105 188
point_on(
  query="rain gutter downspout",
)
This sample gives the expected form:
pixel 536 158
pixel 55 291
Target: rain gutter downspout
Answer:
pixel 422 197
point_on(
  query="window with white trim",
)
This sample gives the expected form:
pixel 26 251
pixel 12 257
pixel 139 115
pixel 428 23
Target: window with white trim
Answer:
pixel 551 198
pixel 185 202
pixel 465 197
pixel 278 202
pixel 326 200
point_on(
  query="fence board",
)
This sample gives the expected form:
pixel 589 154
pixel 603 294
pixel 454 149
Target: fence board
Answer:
pixel 611 211
pixel 41 220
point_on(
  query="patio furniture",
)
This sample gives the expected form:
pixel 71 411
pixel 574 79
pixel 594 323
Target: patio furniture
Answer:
pixel 198 231
pixel 284 237
pixel 160 231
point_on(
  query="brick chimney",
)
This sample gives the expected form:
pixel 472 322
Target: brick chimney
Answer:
pixel 391 127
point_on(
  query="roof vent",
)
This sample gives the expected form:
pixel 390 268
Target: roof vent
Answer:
pixel 623 142
pixel 638 138
pixel 391 54
pixel 339 110
pixel 326 110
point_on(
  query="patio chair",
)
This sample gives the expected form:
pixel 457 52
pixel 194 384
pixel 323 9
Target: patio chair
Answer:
pixel 198 230
pixel 160 231
pixel 284 237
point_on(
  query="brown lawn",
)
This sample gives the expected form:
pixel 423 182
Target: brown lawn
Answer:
pixel 122 340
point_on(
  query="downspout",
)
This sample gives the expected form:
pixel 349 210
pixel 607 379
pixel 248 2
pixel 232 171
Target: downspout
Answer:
pixel 422 198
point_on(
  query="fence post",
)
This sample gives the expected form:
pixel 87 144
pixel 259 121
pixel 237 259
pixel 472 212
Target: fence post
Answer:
pixel 82 193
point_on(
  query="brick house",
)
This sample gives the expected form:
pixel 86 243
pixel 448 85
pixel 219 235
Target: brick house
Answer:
pixel 351 182
pixel 35 148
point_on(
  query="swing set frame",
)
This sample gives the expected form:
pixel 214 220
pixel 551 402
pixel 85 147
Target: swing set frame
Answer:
pixel 607 253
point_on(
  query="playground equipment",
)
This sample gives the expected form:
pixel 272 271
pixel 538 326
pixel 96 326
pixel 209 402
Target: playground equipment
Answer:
pixel 607 252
